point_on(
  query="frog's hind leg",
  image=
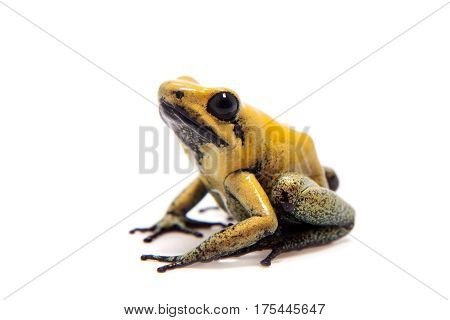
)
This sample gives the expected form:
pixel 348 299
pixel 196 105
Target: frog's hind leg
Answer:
pixel 305 237
pixel 322 215
pixel 300 198
pixel 294 237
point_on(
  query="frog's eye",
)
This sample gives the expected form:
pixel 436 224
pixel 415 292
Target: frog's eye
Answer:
pixel 223 105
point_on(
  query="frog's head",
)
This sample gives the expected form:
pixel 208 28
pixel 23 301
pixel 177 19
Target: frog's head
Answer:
pixel 200 115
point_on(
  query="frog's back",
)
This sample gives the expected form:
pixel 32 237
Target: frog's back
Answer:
pixel 284 149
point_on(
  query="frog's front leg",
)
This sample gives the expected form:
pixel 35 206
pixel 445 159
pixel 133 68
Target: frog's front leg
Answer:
pixel 262 222
pixel 175 218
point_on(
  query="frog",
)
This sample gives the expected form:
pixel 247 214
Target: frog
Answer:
pixel 265 175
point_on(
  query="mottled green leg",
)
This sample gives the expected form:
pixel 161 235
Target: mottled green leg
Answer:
pixel 322 214
pixel 301 199
pixel 294 238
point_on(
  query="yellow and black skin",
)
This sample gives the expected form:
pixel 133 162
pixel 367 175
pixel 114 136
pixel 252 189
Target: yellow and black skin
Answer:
pixel 267 176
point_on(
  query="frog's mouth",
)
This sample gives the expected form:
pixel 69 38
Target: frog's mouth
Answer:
pixel 179 121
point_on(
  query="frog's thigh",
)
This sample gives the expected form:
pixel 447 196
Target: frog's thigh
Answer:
pixel 306 201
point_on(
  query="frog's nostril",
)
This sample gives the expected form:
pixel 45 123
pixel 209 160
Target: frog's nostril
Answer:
pixel 179 94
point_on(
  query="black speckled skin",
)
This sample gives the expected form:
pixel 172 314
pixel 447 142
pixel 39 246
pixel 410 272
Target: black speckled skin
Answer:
pixel 306 202
pixel 289 237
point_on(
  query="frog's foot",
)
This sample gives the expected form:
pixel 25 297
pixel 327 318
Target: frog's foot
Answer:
pixel 267 261
pixel 276 250
pixel 175 261
pixel 173 222
pixel 160 229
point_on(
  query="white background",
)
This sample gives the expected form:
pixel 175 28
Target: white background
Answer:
pixel 69 157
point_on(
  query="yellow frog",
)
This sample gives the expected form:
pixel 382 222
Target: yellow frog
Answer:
pixel 263 174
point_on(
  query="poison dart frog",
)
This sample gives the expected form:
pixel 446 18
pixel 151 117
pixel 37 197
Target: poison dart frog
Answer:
pixel 265 175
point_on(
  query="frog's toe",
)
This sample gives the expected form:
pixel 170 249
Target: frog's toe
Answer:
pixel 267 261
pixel 159 231
pixel 203 224
pixel 160 258
pixel 175 261
pixel 173 265
pixel 208 209
pixel 142 229
pixel 156 233
pixel 188 230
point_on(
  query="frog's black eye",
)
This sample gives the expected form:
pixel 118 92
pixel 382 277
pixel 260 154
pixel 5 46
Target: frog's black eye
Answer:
pixel 223 105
